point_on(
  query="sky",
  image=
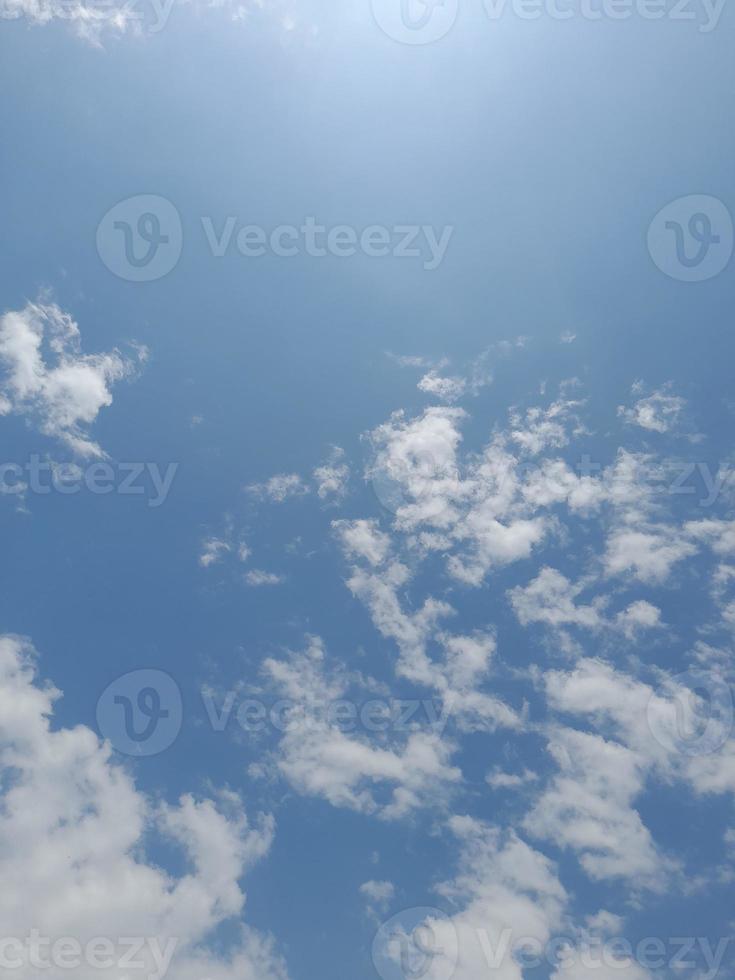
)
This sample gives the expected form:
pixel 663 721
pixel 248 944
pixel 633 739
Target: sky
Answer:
pixel 367 490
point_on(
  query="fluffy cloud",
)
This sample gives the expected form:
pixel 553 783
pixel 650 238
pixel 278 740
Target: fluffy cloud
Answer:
pixel 652 729
pixel 588 808
pixel 650 555
pixel 551 599
pixel 257 577
pixel 461 664
pixel 545 428
pixel 638 617
pixel 472 508
pixel 47 378
pixel 332 477
pixel 73 861
pixel 389 778
pixel 216 547
pixel 363 539
pixel 447 389
pixel 450 388
pixel 378 895
pixel 89 20
pixel 279 488
pixel 507 891
pixel 659 412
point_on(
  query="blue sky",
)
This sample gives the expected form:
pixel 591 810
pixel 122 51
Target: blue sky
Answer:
pixel 390 603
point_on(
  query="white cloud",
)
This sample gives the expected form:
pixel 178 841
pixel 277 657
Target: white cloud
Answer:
pixel 416 360
pixel 94 21
pixel 649 555
pixel 415 468
pixel 550 599
pixel 621 968
pixel 318 758
pixel 257 577
pixel 545 428
pixel 463 667
pixel 659 412
pixel 637 617
pixel 378 895
pixel 216 547
pixel 648 722
pixel 718 534
pixel 213 551
pixel 89 20
pixel 363 539
pixel 510 780
pixel 447 389
pixel 49 380
pixel 332 477
pixel 279 488
pixel 508 892
pixel 588 807
pixel 75 831
pixel 480 510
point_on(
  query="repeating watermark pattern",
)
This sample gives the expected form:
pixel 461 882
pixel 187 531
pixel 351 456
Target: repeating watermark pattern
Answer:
pixel 141 239
pixel 424 942
pixel 691 238
pixel 377 715
pixel 146 956
pixel 42 476
pixel 415 21
pixel 692 714
pixel 141 713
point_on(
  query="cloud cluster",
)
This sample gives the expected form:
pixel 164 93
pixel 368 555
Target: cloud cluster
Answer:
pixel 75 834
pixel 389 778
pixel 658 412
pixel 46 378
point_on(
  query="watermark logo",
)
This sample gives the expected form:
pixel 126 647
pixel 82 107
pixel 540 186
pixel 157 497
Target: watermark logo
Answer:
pixel 691 239
pixel 415 21
pixel 140 239
pixel 693 715
pixel 416 943
pixel 140 713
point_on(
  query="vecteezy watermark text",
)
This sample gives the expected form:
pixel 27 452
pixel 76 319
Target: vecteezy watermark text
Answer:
pixel 425 942
pixel 146 956
pixel 141 239
pixel 42 476
pixel 417 22
pixel 141 713
pixel 342 241
pixel 706 13
pixel 285 715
